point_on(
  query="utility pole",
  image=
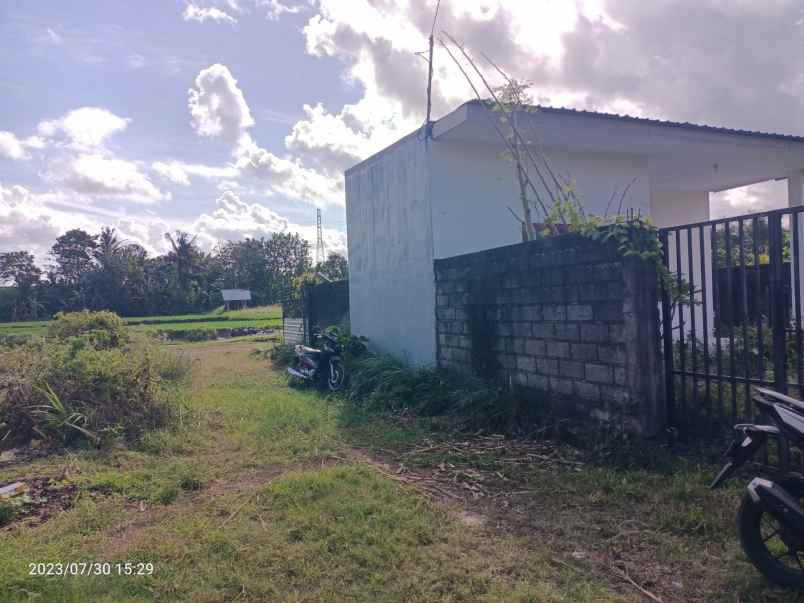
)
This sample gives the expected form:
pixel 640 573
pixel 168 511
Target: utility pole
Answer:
pixel 319 242
pixel 428 123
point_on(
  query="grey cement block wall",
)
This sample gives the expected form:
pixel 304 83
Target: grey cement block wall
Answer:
pixel 564 318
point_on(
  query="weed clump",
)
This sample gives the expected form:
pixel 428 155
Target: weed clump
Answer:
pixel 101 330
pixel 385 384
pixel 6 513
pixel 282 355
pixel 89 380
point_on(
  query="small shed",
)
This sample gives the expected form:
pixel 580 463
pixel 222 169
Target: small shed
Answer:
pixel 238 297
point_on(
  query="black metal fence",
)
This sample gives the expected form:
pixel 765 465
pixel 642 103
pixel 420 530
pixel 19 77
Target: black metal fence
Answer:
pixel 732 319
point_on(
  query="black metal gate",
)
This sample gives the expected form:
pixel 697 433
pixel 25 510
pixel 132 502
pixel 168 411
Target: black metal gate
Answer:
pixel 732 318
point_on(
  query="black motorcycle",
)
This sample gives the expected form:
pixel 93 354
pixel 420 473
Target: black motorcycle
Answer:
pixel 771 517
pixel 323 366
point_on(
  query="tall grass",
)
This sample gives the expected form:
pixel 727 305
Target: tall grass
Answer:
pixel 385 384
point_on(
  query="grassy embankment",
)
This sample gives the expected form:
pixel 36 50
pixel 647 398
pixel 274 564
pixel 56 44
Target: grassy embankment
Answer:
pixel 260 317
pixel 266 492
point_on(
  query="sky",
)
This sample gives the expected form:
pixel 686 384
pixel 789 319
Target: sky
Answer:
pixel 236 118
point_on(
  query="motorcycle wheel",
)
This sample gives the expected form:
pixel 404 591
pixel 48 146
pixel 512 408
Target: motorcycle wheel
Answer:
pixel 337 375
pixel 778 555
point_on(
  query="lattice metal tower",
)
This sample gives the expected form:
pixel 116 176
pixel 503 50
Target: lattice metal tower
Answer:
pixel 320 255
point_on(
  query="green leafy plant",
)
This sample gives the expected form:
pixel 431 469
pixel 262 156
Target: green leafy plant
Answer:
pixel 282 355
pixel 55 417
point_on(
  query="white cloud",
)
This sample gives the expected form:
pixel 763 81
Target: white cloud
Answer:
pixel 193 12
pixel 136 61
pixel 11 147
pixel 275 9
pixel 217 106
pixel 180 172
pixel 32 221
pixel 235 220
pixel 762 196
pixel 96 175
pixel 289 177
pixel 85 127
pixel 53 37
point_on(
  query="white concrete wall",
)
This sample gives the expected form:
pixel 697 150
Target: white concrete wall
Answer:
pixel 472 186
pixel 391 278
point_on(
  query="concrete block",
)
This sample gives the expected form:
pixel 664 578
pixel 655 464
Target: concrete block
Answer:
pixel 613 354
pixel 445 313
pixel 554 313
pixel 599 373
pixel 587 391
pixel 526 363
pixel 558 349
pixel 583 351
pixel 535 347
pixel 563 387
pixel 547 366
pixel 566 331
pixel 579 312
pixel 543 330
pixel 571 369
pixel 594 332
pixel 539 382
pixel 517 345
pixel 610 311
pixel 521 329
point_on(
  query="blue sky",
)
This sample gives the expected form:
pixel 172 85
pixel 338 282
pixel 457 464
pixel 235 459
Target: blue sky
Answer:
pixel 234 118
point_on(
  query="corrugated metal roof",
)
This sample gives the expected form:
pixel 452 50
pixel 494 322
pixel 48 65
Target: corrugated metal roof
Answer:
pixel 663 123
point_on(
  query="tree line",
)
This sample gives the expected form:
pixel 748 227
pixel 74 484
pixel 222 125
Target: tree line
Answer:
pixel 105 272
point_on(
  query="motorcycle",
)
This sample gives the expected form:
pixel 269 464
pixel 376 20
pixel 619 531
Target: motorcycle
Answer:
pixel 323 366
pixel 770 521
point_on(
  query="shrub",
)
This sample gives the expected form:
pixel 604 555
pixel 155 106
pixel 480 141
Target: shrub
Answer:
pixel 101 330
pixel 383 383
pixel 282 355
pixel 352 346
pixel 70 391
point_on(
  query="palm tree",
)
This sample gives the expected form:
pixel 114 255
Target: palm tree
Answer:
pixel 109 246
pixel 183 256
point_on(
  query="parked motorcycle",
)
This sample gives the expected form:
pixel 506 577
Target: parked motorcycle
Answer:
pixel 323 366
pixel 771 517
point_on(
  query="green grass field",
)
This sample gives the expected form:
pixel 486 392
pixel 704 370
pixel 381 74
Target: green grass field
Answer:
pixel 261 316
pixel 272 493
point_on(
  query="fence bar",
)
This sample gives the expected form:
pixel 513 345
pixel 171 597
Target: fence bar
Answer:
pixel 704 313
pixel 667 336
pixel 794 253
pixel 718 323
pixel 758 297
pixel 693 330
pixel 681 347
pixel 730 298
pixel 746 347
